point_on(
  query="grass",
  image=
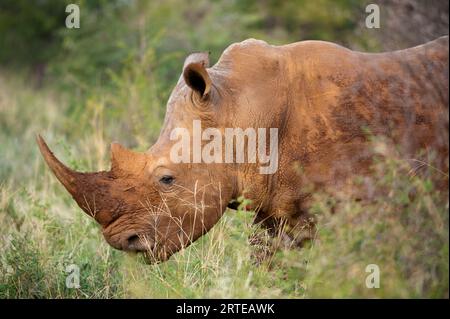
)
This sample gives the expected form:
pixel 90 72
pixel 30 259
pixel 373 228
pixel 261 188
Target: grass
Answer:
pixel 403 227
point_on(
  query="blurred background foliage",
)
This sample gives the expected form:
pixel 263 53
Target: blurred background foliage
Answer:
pixel 109 80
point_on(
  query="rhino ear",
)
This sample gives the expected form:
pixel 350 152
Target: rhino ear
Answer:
pixel 195 74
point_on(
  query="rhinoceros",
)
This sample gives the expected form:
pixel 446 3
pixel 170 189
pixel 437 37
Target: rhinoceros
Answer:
pixel 321 98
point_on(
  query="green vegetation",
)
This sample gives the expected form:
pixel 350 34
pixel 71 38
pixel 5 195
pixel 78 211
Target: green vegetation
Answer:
pixel 109 81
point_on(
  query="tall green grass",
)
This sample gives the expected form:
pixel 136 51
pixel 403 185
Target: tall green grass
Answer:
pixel 402 227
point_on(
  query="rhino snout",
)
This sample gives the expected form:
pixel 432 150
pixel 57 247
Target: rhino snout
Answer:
pixel 133 242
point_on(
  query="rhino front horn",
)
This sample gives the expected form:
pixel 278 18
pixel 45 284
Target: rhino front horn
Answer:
pixel 89 190
pixel 65 175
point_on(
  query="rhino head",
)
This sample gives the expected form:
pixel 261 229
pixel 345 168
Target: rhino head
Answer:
pixel 146 202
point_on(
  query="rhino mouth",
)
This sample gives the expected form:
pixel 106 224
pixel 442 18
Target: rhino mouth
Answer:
pixel 153 257
pixel 151 252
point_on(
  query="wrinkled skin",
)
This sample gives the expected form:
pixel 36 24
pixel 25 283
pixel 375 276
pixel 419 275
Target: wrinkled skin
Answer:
pixel 322 97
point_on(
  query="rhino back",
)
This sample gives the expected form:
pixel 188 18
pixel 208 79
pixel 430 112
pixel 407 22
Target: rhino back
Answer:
pixel 338 96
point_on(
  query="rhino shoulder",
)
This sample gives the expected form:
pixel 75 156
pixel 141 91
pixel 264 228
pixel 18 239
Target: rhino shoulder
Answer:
pixel 245 45
pixel 261 49
pixel 250 53
pixel 247 48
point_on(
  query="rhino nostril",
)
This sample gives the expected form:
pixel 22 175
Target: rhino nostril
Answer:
pixel 136 243
pixel 133 240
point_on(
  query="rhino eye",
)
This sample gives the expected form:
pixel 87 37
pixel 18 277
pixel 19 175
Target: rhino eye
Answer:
pixel 167 179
